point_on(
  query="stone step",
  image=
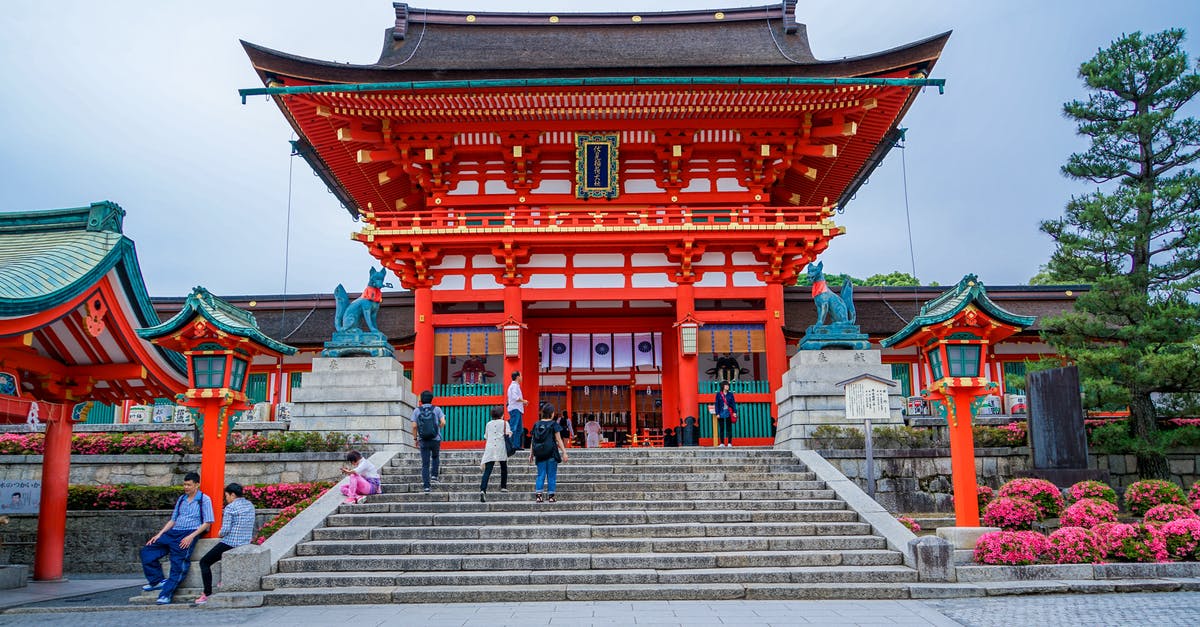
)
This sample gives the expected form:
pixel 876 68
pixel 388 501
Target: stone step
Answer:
pixel 583 561
pixel 624 517
pixel 686 530
pixel 473 475
pixel 589 545
pixel 798 574
pixel 575 464
pixel 580 484
pixel 581 592
pixel 577 504
pixel 518 492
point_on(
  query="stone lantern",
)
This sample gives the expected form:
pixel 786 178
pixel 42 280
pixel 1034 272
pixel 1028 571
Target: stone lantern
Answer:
pixel 953 333
pixel 218 341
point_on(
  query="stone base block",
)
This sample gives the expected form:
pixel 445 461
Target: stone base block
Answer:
pixel 13 576
pixel 1066 477
pixel 963 537
pixel 243 568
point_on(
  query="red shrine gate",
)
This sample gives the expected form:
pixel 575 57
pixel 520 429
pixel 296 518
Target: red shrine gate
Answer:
pixel 532 176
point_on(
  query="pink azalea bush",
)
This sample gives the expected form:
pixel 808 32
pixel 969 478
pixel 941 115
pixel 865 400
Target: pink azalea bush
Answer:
pixel 1092 490
pixel 1135 543
pixel 279 495
pixel 1181 538
pixel 1109 536
pixel 1045 495
pixel 1088 513
pixel 983 493
pixel 1015 433
pixel 912 525
pixel 1143 495
pixel 1013 548
pixel 1194 496
pixel 22 443
pixel 1010 514
pixel 1168 512
pixel 1075 545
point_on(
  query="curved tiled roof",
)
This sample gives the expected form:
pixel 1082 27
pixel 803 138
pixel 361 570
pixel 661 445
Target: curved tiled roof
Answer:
pixel 430 44
pixel 50 257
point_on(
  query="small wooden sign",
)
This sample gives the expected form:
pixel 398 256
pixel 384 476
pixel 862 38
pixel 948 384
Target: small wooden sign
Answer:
pixel 596 166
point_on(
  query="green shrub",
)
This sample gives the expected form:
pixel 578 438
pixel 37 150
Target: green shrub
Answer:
pixel 904 437
pixel 835 437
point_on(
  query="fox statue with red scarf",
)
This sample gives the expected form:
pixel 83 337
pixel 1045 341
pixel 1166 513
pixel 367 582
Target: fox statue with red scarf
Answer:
pixel 364 309
pixel 838 310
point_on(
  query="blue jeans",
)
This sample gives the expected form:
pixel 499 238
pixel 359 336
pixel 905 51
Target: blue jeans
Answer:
pixel 516 425
pixel 547 475
pixel 430 450
pixel 168 543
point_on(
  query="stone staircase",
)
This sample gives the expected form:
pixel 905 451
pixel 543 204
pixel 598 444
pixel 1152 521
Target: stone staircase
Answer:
pixel 679 523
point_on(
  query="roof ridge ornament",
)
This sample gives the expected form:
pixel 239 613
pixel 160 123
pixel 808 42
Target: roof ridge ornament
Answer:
pixel 106 216
pixel 789 17
pixel 401 29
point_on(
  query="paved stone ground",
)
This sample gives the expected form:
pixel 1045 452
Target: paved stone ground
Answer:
pixel 1177 608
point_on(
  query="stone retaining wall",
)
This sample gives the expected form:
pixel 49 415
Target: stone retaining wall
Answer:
pixel 97 542
pixel 165 470
pixel 918 480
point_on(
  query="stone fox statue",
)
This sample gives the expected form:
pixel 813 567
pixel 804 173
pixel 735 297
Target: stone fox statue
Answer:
pixel 840 310
pixel 364 309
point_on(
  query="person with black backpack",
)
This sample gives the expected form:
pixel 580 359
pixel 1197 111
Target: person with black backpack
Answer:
pixel 546 448
pixel 428 421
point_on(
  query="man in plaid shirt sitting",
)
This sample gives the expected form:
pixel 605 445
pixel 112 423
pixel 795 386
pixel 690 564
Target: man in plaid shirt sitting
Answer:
pixel 237 529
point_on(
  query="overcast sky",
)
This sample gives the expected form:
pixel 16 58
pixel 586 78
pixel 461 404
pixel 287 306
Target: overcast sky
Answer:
pixel 136 102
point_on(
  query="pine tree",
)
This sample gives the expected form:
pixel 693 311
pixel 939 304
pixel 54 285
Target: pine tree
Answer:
pixel 1136 238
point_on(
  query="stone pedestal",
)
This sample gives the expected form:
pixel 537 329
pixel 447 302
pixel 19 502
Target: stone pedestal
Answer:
pixel 809 396
pixel 192 584
pixel 364 395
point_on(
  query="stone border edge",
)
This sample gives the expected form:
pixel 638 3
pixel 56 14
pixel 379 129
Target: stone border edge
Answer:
pixel 243 568
pixel 882 521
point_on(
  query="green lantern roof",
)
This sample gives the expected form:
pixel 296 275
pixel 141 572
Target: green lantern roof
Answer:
pixel 220 314
pixel 970 290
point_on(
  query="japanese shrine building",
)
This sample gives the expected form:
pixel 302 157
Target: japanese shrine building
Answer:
pixel 628 195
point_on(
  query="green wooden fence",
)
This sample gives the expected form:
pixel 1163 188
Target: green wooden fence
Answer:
pixel 455 390
pixel 903 374
pixel 737 387
pixel 754 421
pixel 465 423
pixel 102 414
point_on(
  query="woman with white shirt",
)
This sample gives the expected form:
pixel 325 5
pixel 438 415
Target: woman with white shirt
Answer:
pixel 494 450
pixel 364 478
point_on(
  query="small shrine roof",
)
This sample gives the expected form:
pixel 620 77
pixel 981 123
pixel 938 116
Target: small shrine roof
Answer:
pixel 224 316
pixel 970 290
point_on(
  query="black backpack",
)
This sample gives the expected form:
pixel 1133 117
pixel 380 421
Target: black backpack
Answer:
pixel 544 445
pixel 427 424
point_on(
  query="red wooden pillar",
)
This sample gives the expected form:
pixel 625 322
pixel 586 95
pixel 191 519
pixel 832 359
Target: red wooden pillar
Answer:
pixel 212 460
pixel 689 369
pixel 422 373
pixel 962 460
pixel 513 310
pixel 775 343
pixel 673 412
pixel 52 514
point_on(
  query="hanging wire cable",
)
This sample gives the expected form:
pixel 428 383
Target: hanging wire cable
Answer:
pixel 912 254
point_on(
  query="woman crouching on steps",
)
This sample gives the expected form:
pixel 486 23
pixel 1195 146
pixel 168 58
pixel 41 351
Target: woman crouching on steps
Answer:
pixel 495 450
pixel 364 478
pixel 547 450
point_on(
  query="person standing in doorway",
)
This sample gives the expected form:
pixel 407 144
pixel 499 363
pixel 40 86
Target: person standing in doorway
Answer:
pixel 547 450
pixel 494 451
pixel 591 430
pixel 516 410
pixel 726 408
pixel 237 529
pixel 192 516
pixel 428 422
